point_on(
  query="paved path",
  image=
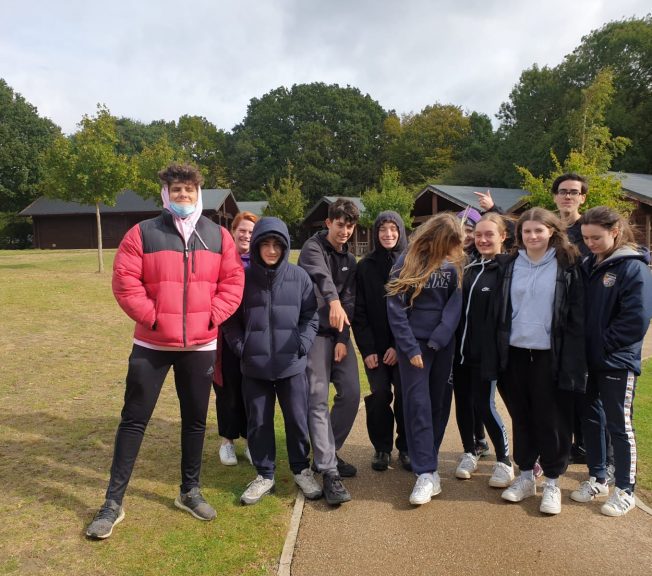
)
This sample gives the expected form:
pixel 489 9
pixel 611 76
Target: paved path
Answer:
pixel 468 529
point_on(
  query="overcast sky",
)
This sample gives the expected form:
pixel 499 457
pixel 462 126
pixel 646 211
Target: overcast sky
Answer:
pixel 160 59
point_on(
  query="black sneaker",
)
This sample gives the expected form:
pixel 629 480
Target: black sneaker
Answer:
pixel 334 490
pixel 481 448
pixel 380 461
pixel 110 514
pixel 345 469
pixel 194 503
pixel 404 459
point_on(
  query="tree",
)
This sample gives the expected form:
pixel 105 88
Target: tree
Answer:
pixel 286 201
pixel 428 143
pixel 201 143
pixel 595 148
pixel 86 168
pixel 391 194
pixel 147 165
pixel 477 161
pixel 24 135
pixel 333 137
pixel 625 47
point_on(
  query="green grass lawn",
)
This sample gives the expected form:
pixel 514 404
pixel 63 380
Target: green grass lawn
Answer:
pixel 64 346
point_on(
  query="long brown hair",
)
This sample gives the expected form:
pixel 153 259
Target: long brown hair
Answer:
pixel 565 252
pixel 436 240
pixel 609 219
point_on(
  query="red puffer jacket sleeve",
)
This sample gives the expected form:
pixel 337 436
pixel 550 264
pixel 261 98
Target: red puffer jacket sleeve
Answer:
pixel 230 283
pixel 127 282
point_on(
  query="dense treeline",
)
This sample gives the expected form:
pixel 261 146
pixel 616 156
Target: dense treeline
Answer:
pixel 337 140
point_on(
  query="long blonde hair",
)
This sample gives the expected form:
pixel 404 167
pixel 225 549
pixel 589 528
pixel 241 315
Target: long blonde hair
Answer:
pixel 436 240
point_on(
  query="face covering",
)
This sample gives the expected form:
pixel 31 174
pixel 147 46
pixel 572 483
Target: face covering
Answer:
pixel 182 210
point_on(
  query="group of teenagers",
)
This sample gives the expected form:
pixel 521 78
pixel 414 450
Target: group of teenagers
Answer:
pixel 548 310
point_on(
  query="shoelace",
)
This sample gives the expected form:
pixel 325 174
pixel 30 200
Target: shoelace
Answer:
pixel 106 513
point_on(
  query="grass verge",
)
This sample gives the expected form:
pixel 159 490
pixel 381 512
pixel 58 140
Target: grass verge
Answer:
pixel 65 345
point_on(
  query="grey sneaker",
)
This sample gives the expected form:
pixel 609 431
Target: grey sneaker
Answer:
pixel 309 486
pixel 256 489
pixel 110 514
pixel 334 491
pixel 194 503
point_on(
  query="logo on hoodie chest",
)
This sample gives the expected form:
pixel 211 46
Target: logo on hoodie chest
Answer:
pixel 609 279
pixel 438 280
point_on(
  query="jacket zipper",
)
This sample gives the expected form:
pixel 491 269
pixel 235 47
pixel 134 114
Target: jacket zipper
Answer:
pixel 185 293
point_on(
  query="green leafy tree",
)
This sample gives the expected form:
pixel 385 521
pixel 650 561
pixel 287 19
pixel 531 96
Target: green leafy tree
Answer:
pixel 595 148
pixel 24 135
pixel 201 143
pixel 429 143
pixel 286 201
pixel 86 168
pixel 476 165
pixel 625 47
pixel 333 137
pixel 391 194
pixel 147 165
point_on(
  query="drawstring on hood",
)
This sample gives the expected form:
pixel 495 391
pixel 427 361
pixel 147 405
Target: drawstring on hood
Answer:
pixel 185 226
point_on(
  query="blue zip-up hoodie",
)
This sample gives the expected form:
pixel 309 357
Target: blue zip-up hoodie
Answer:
pixel 432 318
pixel 277 320
pixel 618 309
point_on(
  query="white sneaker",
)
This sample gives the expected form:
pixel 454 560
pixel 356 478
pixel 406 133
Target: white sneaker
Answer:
pixel 467 466
pixel 619 503
pixel 257 489
pixel 227 454
pixel 551 501
pixel 309 486
pixel 426 486
pixel 502 476
pixel 588 490
pixel 248 455
pixel 520 489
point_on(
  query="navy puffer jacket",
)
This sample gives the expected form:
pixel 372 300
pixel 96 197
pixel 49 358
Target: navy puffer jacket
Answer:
pixel 277 320
pixel 618 310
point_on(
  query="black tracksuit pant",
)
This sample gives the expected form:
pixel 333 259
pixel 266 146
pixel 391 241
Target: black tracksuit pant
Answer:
pixel 193 375
pixel 475 396
pixel 378 404
pixel 542 415
pixel 229 403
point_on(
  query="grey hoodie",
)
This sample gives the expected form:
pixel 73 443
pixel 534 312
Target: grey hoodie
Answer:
pixel 532 297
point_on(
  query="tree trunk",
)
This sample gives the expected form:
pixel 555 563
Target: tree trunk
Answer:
pixel 100 258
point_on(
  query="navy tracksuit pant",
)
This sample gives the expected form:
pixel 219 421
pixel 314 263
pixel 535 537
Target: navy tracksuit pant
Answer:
pixel 260 400
pixel 609 402
pixel 427 395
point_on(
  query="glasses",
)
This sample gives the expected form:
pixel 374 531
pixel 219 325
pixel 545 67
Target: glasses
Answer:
pixel 572 193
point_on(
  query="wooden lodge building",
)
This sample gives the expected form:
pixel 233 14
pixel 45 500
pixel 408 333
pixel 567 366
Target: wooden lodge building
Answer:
pixel 60 224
